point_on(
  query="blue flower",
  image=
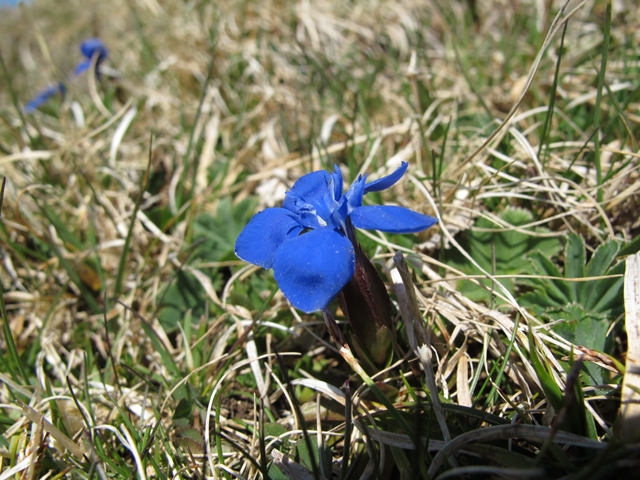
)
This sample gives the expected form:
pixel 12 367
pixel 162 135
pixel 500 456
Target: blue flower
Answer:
pixel 308 242
pixel 89 48
pixel 42 97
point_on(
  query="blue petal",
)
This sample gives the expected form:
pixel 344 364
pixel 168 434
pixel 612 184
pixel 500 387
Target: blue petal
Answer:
pixel 267 230
pixel 89 48
pixel 349 201
pixel 312 268
pixel 82 67
pixel 390 219
pixel 310 189
pixel 385 182
pixel 93 46
pixel 356 192
pixel 42 97
pixel 336 181
pixel 309 219
pixel 313 193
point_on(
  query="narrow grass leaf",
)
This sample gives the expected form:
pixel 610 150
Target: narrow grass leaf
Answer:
pixel 597 112
pixel 13 362
pixel 551 389
pixel 552 96
pixel 127 242
pixel 574 260
pixel 167 359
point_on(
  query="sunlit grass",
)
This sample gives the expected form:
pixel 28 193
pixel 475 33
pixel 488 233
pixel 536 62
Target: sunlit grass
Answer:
pixel 136 344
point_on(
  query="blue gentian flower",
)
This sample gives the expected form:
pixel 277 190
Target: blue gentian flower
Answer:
pixel 89 48
pixel 309 242
pixel 42 97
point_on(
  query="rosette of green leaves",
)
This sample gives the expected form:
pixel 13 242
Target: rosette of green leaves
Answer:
pixel 582 311
pixel 501 249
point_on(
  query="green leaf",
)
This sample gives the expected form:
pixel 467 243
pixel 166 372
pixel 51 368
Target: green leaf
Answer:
pixel 574 256
pixel 586 329
pixel 557 290
pixel 500 456
pixel 167 359
pixel 630 248
pixel 183 413
pixel 184 294
pixel 305 456
pixel 510 247
pixel 550 387
pixel 217 234
pixel 590 424
pixel 402 462
pixel 610 299
pixel 63 232
pixel 276 474
pixel 585 309
pixel 272 429
pixel 575 417
pixel 581 327
pixel 592 292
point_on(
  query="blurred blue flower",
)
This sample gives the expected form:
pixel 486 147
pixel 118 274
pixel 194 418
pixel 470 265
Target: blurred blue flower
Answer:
pixel 89 48
pixel 43 96
pixel 8 3
pixel 309 242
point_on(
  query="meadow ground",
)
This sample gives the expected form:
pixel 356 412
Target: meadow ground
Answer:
pixel 135 344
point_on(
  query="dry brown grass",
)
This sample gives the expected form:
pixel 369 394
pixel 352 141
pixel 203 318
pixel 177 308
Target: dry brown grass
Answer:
pixel 237 100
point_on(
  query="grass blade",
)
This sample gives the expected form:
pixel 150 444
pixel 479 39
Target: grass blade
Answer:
pixel 597 113
pixel 134 214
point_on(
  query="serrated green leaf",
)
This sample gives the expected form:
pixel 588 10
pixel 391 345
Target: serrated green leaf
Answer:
pixel 581 327
pixel 584 328
pixel 630 248
pixel 217 234
pixel 557 290
pixel 581 303
pixel 592 292
pixel 538 302
pixel 189 444
pixel 602 259
pixel 510 247
pixel 610 298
